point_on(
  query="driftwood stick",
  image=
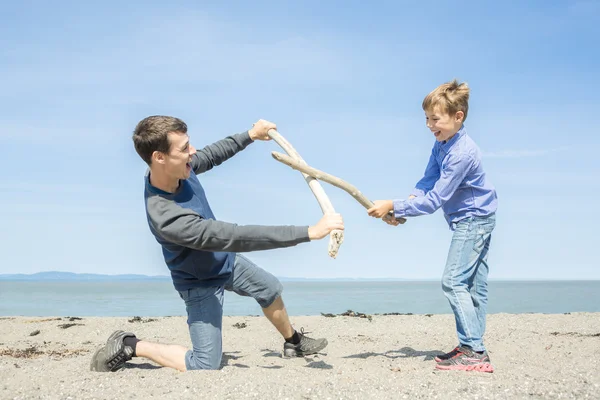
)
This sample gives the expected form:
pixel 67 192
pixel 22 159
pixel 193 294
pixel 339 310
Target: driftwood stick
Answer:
pixel 333 180
pixel 336 237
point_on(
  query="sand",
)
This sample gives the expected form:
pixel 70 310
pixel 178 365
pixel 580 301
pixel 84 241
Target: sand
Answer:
pixel 387 357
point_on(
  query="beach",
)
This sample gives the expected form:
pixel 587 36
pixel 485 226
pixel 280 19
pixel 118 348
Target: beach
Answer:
pixel 542 356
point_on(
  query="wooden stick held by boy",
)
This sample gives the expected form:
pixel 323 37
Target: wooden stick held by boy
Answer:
pixel 331 179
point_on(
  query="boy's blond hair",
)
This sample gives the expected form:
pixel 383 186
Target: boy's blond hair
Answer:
pixel 451 97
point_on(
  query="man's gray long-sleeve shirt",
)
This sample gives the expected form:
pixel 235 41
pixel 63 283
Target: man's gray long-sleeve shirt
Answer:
pixel 198 249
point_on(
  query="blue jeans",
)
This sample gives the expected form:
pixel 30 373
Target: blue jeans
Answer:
pixel 204 308
pixel 465 278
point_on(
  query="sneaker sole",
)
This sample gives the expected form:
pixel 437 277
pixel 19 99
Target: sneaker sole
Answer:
pixel 94 359
pixel 484 367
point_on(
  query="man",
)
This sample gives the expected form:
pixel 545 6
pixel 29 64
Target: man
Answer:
pixel 201 252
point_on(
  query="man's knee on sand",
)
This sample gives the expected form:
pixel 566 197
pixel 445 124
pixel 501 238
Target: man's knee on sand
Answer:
pixel 197 361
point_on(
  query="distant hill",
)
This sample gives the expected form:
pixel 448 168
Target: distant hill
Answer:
pixel 71 276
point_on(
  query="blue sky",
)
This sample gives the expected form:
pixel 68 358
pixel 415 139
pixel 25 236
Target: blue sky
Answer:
pixel 344 82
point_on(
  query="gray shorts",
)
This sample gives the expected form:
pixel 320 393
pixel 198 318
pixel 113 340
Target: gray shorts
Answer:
pixel 204 308
pixel 248 279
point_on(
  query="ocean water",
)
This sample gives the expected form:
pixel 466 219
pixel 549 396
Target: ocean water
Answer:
pixel 159 298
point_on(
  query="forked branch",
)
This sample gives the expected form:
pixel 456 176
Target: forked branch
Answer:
pixel 336 237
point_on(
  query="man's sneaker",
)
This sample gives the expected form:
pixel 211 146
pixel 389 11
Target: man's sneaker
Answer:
pixel 113 355
pixel 305 347
pixel 467 360
pixel 443 357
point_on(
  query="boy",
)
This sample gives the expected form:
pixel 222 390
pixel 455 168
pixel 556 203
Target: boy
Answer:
pixel 201 252
pixel 455 181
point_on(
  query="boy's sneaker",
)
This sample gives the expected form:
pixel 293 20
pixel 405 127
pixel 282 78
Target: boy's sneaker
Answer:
pixel 467 360
pixel 443 357
pixel 305 347
pixel 112 356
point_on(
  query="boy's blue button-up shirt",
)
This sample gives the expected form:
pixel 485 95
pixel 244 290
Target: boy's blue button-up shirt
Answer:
pixel 454 180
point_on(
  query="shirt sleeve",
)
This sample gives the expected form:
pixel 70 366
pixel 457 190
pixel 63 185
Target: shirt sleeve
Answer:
pixel 430 177
pixel 185 227
pixel 215 154
pixel 452 174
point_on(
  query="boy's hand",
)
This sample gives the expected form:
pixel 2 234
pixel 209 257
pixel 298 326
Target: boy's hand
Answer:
pixel 328 223
pixel 391 221
pixel 260 128
pixel 380 208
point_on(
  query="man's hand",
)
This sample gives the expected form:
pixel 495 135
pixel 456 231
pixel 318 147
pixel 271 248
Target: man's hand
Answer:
pixel 260 128
pixel 328 223
pixel 380 208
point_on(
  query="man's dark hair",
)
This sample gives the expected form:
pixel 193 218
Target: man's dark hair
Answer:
pixel 151 134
